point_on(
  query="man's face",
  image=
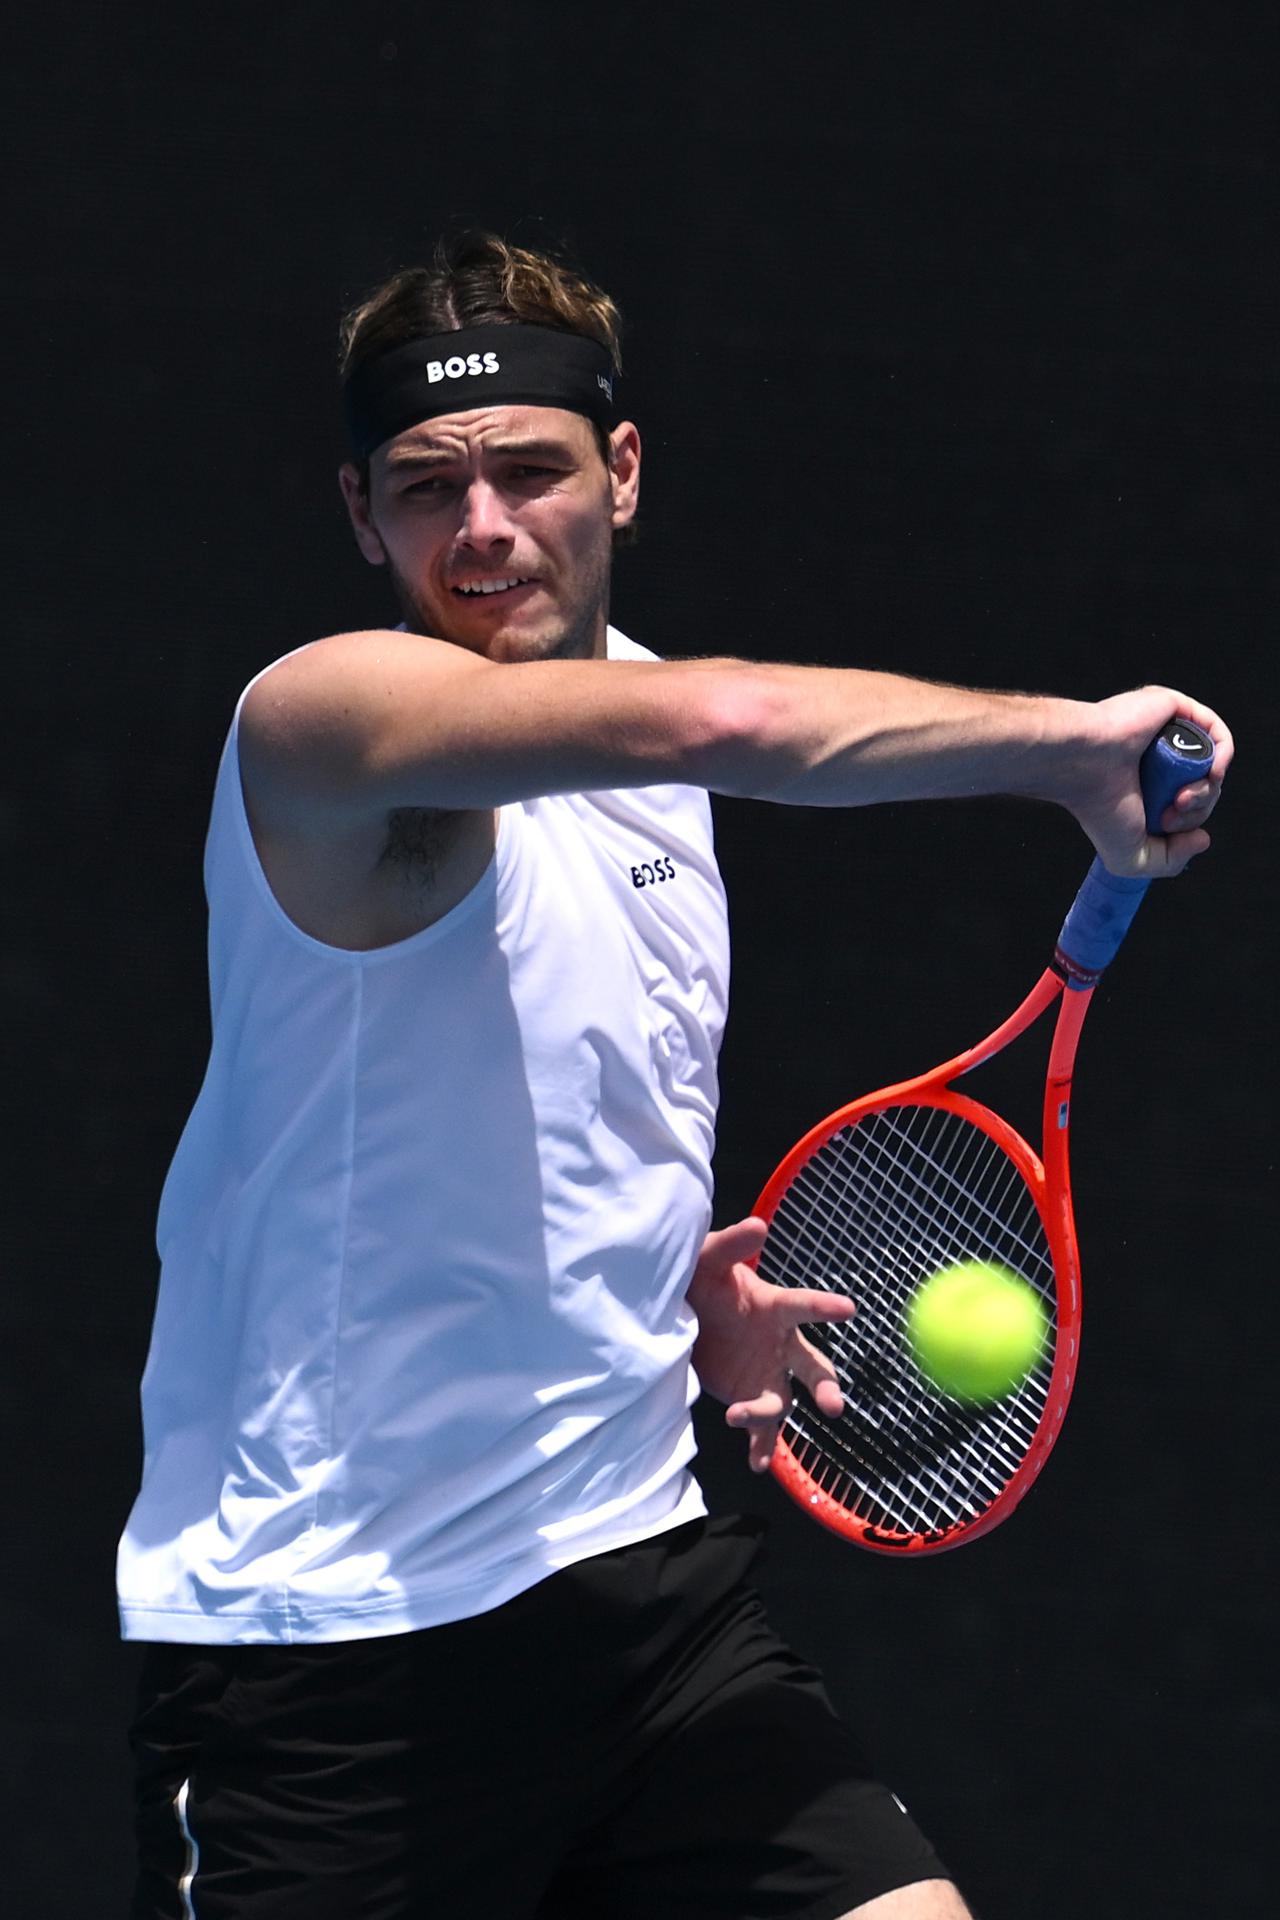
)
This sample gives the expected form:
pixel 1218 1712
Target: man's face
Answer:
pixel 496 496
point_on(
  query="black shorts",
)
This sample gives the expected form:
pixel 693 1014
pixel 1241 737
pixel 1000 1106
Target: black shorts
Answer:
pixel 628 1738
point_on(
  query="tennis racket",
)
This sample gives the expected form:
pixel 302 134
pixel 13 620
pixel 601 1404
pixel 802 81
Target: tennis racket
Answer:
pixel 916 1178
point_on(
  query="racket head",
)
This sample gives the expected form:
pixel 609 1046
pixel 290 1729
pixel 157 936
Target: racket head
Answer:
pixel 879 1196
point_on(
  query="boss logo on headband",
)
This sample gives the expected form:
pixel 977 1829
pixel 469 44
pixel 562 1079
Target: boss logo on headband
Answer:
pixel 457 365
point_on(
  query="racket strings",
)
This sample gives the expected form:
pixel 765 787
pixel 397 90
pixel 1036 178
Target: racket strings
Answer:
pixel 876 1210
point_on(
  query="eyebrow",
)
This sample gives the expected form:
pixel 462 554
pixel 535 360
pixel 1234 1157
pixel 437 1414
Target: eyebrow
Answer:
pixel 438 457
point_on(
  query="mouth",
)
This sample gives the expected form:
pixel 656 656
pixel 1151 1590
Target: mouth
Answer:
pixel 492 589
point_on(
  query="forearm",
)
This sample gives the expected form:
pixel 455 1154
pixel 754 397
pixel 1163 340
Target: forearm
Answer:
pixel 842 737
pixel 838 737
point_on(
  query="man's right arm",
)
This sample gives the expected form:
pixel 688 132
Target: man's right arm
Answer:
pixel 360 724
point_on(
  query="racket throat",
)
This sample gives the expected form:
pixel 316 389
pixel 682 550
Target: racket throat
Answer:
pixel 1062 1066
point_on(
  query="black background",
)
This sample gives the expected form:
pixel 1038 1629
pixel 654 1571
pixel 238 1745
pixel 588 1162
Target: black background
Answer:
pixel 951 341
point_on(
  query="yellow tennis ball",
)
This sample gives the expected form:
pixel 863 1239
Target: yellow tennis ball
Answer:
pixel 976 1330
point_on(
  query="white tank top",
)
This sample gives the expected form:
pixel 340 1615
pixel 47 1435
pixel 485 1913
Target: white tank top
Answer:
pixel 421 1334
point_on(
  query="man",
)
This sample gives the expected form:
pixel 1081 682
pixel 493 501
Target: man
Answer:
pixel 438 1622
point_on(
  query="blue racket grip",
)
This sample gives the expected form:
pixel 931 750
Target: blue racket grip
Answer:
pixel 1103 910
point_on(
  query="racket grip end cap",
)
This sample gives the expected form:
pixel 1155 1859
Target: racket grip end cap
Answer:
pixel 1102 912
pixel 1180 753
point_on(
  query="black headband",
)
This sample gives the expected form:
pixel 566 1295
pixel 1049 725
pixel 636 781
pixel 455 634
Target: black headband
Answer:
pixel 516 365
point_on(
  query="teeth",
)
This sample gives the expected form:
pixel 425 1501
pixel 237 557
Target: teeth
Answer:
pixel 491 586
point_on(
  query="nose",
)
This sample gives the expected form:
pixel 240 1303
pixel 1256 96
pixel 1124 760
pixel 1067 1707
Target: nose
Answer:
pixel 484 524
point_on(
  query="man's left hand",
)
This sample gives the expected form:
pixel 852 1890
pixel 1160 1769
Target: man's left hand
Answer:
pixel 749 1344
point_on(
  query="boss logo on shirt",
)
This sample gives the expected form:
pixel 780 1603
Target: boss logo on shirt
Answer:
pixel 653 873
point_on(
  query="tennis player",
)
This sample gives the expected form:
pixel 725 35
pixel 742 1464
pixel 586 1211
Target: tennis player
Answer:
pixel 437 1621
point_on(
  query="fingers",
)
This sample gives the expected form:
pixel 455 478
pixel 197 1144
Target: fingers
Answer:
pixel 767 1409
pixel 1216 728
pixel 809 1306
pixel 1193 804
pixel 763 1427
pixel 1116 826
pixel 1175 853
pixel 827 1397
pixel 761 1418
pixel 806 1362
pixel 742 1241
pixel 817 1374
pixel 1182 827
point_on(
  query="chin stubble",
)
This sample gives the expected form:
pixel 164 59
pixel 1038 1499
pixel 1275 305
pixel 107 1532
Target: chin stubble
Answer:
pixel 576 643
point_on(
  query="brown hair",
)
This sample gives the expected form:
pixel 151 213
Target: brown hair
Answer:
pixel 479 279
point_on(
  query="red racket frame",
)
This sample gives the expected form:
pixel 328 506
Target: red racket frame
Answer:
pixel 1049 1181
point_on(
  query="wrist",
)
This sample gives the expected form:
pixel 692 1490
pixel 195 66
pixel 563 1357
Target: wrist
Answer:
pixel 1060 765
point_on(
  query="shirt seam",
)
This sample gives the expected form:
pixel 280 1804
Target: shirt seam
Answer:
pixel 344 1258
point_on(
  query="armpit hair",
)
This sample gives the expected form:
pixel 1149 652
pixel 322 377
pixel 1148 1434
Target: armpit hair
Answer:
pixel 417 839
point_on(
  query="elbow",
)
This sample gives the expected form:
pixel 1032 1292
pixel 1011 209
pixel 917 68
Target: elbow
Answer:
pixel 736 730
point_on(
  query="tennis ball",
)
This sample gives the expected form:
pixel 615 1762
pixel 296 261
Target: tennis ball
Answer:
pixel 976 1330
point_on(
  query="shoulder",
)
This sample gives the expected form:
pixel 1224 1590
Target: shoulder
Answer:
pixel 307 724
pixel 365 665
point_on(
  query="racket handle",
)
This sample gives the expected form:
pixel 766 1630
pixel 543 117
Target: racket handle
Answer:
pixel 1103 910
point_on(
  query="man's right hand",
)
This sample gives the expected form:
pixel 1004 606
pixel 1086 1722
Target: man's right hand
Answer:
pixel 1106 799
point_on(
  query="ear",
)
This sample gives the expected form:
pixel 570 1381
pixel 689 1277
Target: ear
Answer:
pixel 368 538
pixel 624 472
